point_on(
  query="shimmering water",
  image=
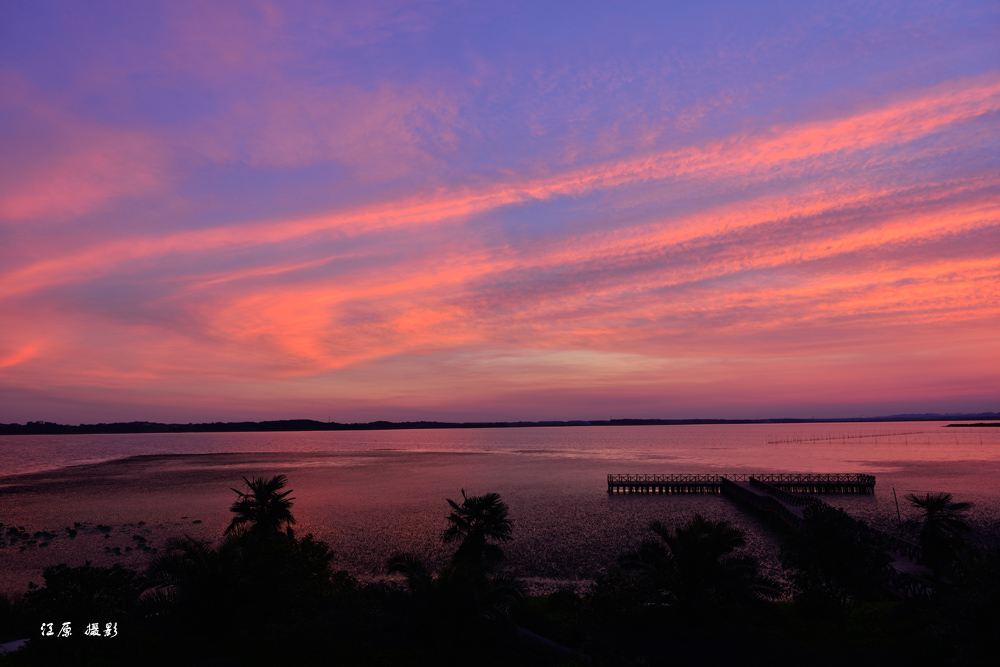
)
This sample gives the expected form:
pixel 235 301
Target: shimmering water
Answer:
pixel 372 493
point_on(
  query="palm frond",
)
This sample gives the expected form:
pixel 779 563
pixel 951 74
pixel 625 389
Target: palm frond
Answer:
pixel 263 508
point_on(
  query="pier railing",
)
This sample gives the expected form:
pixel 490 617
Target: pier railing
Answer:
pixel 711 483
pixel 798 499
pixel 775 478
pixel 851 478
pixel 663 479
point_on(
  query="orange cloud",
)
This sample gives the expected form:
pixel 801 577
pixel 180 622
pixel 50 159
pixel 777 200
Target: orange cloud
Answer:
pixel 23 354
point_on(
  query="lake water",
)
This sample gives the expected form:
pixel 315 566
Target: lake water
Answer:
pixel 372 493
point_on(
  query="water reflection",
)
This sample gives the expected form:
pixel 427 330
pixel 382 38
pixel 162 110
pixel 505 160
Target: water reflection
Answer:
pixel 372 493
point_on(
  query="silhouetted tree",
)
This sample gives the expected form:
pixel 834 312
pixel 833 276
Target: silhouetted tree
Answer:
pixel 419 578
pixel 466 606
pixel 80 596
pixel 14 623
pixel 942 527
pixel 87 591
pixel 263 509
pixel 477 524
pixel 693 565
pixel 203 581
pixel 834 560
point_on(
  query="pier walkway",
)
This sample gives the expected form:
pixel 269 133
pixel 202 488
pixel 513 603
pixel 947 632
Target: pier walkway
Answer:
pixel 765 497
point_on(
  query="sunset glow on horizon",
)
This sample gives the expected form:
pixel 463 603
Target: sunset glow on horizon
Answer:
pixel 522 211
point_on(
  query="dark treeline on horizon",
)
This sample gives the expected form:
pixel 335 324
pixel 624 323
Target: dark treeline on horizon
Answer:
pixel 50 428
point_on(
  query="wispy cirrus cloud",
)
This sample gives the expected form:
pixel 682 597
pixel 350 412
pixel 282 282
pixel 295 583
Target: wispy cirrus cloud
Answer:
pixel 777 154
pixel 57 167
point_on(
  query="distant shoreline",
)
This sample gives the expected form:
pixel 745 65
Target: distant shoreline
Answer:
pixel 49 428
pixel 977 424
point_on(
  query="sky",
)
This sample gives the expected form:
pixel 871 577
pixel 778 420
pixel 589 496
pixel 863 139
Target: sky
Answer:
pixel 467 211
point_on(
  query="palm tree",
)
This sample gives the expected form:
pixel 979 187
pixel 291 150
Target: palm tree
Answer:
pixel 939 512
pixel 477 523
pixel 203 578
pixel 693 565
pixel 468 600
pixel 263 509
pixel 419 578
pixel 941 524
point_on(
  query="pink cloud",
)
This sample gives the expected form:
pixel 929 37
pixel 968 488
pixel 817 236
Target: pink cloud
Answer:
pixel 380 133
pixel 66 167
pixel 269 117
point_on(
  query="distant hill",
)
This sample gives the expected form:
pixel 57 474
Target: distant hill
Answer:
pixel 937 417
pixel 49 428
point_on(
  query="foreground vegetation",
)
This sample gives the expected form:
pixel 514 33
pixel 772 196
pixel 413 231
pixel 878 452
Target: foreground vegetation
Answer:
pixel 265 596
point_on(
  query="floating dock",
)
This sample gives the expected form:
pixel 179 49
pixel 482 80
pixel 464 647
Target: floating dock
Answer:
pixel 791 483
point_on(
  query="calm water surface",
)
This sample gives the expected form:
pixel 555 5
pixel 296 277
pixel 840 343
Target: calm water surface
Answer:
pixel 372 493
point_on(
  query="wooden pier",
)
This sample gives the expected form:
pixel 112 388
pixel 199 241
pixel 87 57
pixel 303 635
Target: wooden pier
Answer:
pixel 789 483
pixel 783 498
